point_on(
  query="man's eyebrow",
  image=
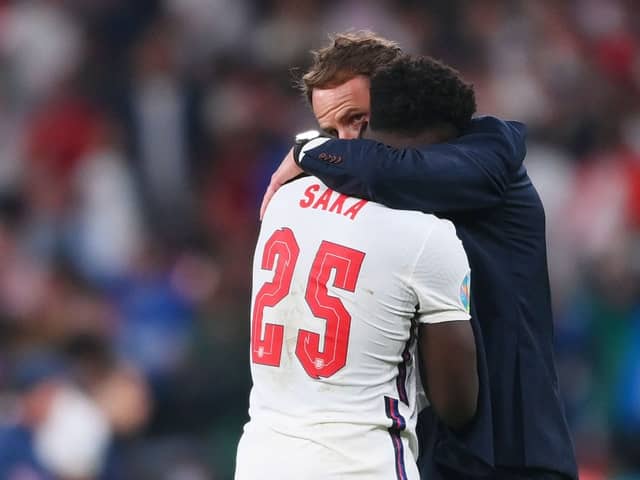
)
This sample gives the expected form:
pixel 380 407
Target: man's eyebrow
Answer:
pixel 348 112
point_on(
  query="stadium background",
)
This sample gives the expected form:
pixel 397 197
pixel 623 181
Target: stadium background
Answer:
pixel 136 140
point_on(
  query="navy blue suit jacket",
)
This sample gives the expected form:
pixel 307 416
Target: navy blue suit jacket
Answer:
pixel 480 183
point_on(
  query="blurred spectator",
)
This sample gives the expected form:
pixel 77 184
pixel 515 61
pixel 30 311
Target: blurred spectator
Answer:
pixel 43 45
pixel 106 202
pixel 58 432
pixel 162 121
pixel 155 317
pixel 211 27
pixel 288 24
pixel 381 17
pixel 118 389
pixel 72 441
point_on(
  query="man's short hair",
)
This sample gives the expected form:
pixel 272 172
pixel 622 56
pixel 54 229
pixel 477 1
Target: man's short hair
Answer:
pixel 347 56
pixel 412 94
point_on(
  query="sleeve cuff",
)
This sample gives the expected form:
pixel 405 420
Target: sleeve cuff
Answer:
pixel 441 317
pixel 300 150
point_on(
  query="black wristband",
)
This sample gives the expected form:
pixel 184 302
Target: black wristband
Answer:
pixel 301 140
pixel 296 152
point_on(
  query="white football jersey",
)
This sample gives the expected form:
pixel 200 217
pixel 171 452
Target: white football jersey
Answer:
pixel 339 285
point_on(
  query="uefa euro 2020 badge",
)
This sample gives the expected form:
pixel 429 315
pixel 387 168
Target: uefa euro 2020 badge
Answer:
pixel 465 291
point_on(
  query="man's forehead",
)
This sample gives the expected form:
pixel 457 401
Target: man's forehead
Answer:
pixel 354 91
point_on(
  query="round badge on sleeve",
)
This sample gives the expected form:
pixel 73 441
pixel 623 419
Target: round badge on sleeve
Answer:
pixel 465 292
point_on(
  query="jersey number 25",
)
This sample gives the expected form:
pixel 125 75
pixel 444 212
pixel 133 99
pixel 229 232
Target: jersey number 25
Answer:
pixel 266 344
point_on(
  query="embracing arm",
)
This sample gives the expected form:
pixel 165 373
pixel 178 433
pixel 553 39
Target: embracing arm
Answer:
pixel 469 173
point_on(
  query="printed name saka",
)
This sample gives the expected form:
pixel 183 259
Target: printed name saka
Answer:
pixel 331 201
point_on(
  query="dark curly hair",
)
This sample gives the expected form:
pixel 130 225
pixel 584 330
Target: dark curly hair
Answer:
pixel 412 94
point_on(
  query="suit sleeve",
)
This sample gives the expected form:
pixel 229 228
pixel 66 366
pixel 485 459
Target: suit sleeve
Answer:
pixel 470 173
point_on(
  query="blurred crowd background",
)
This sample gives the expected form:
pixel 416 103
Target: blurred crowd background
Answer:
pixel 136 140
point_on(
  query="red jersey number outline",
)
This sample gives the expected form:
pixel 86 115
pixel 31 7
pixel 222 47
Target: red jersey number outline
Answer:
pixel 266 349
pixel 346 262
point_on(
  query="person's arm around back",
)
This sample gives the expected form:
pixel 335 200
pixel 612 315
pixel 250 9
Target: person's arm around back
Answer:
pixel 469 173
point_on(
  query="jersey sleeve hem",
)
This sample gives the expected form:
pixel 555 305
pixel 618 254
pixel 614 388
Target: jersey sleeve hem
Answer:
pixel 442 317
